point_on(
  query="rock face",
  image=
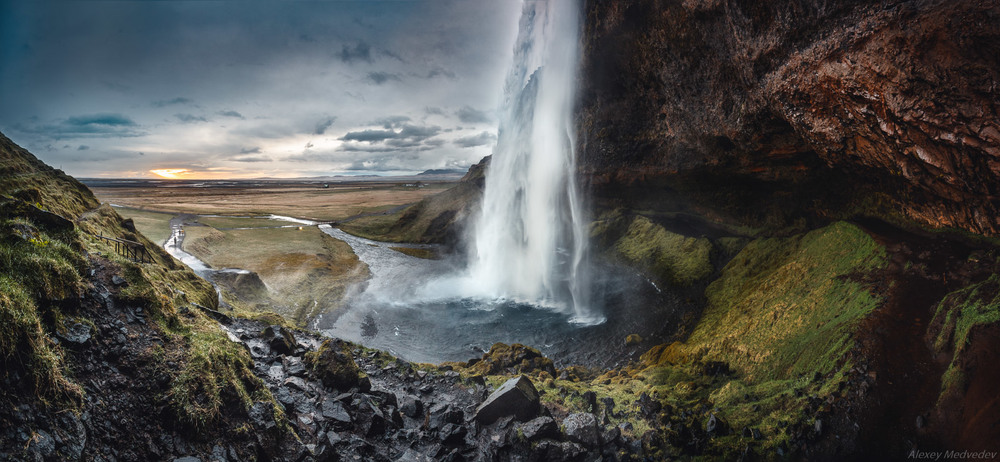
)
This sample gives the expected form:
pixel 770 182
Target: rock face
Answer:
pixel 516 397
pixel 894 101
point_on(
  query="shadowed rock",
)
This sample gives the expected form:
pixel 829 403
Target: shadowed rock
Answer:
pixel 333 365
pixel 517 397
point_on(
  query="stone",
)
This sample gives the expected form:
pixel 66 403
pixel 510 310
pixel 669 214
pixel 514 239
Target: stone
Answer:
pixel 410 406
pixel 187 459
pixel 442 414
pixel 118 280
pixel 279 339
pixel 453 434
pixel 294 366
pixel 296 383
pixel 538 428
pixel 517 397
pixel 335 410
pixel 716 426
pixel 76 333
pixel 370 418
pixel 333 365
pixel 262 416
pixel 555 451
pixel 582 428
pixel 411 455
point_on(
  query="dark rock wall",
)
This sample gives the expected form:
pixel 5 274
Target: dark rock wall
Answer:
pixel 899 97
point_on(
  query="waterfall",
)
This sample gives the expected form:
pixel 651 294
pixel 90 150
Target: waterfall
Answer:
pixel 530 241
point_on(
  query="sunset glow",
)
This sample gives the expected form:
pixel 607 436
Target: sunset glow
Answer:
pixel 172 173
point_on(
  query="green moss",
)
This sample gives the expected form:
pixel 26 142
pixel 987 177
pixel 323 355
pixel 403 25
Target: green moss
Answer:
pixel 333 364
pixel 956 316
pixel 670 257
pixel 786 306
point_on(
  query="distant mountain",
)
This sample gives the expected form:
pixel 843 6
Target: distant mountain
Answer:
pixel 444 171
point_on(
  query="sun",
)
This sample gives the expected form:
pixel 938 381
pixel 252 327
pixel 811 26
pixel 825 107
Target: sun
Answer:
pixel 172 173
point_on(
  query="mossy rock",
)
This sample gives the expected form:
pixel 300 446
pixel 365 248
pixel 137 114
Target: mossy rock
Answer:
pixel 333 364
pixel 668 257
pixel 512 359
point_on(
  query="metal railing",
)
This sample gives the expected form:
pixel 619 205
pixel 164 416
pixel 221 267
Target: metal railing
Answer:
pixel 135 251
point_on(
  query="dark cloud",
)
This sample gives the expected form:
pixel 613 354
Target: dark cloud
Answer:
pixel 323 125
pixel 472 116
pixel 391 121
pixel 360 52
pixel 171 102
pixel 190 118
pixel 409 132
pixel 379 77
pixel 482 139
pixel 85 126
pixel 253 150
pixel 433 111
pixel 83 147
pixel 230 114
pixel 309 145
pixel 369 135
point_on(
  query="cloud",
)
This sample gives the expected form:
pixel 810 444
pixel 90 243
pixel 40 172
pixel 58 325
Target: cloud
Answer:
pixel 379 77
pixel 440 72
pixel 369 135
pixel 189 118
pixel 407 131
pixel 323 125
pixel 471 141
pixel 171 102
pixel 230 114
pixel 361 52
pixel 83 147
pixel 253 150
pixel 391 121
pixel 251 159
pixel 472 116
pixel 433 110
pixel 105 125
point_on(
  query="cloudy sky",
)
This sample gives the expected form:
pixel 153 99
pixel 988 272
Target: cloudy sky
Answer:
pixel 251 88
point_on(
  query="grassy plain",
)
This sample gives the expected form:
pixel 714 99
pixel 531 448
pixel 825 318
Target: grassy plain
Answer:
pixel 304 271
pixel 296 200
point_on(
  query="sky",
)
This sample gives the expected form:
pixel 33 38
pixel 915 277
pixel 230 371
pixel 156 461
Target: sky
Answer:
pixel 254 88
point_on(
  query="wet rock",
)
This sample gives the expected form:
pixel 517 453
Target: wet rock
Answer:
pixel 442 414
pixel 370 419
pixel 410 406
pixel 556 451
pixel 294 366
pixel 538 428
pixel 411 455
pixel 453 434
pixel 77 332
pixel 262 416
pixel 118 280
pixel 335 411
pixel 716 426
pixel 648 407
pixel 296 382
pixel 333 364
pixel 590 399
pixel 187 459
pixel 279 339
pixel 581 428
pixel 516 397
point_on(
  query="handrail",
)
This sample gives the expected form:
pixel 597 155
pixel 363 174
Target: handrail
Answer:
pixel 135 251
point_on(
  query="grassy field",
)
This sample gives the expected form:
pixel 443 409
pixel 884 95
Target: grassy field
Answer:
pixel 154 225
pixel 319 204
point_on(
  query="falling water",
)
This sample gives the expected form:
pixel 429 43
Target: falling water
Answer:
pixel 530 242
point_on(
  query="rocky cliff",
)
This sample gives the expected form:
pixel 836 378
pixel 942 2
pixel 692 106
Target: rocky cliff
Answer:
pixel 829 107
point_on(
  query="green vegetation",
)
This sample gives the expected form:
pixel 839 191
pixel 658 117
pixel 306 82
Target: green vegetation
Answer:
pixel 306 271
pixel 428 221
pixel 224 222
pixel 154 225
pixel 955 318
pixel 667 257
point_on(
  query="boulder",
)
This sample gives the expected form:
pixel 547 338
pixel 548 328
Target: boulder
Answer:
pixel 410 406
pixel 556 451
pixel 335 411
pixel 538 428
pixel 279 339
pixel 333 365
pixel 517 397
pixel 582 428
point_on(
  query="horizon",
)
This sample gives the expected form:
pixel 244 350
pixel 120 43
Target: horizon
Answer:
pixel 226 90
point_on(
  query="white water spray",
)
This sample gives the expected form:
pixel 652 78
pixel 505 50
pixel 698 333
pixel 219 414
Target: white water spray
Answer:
pixel 530 242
